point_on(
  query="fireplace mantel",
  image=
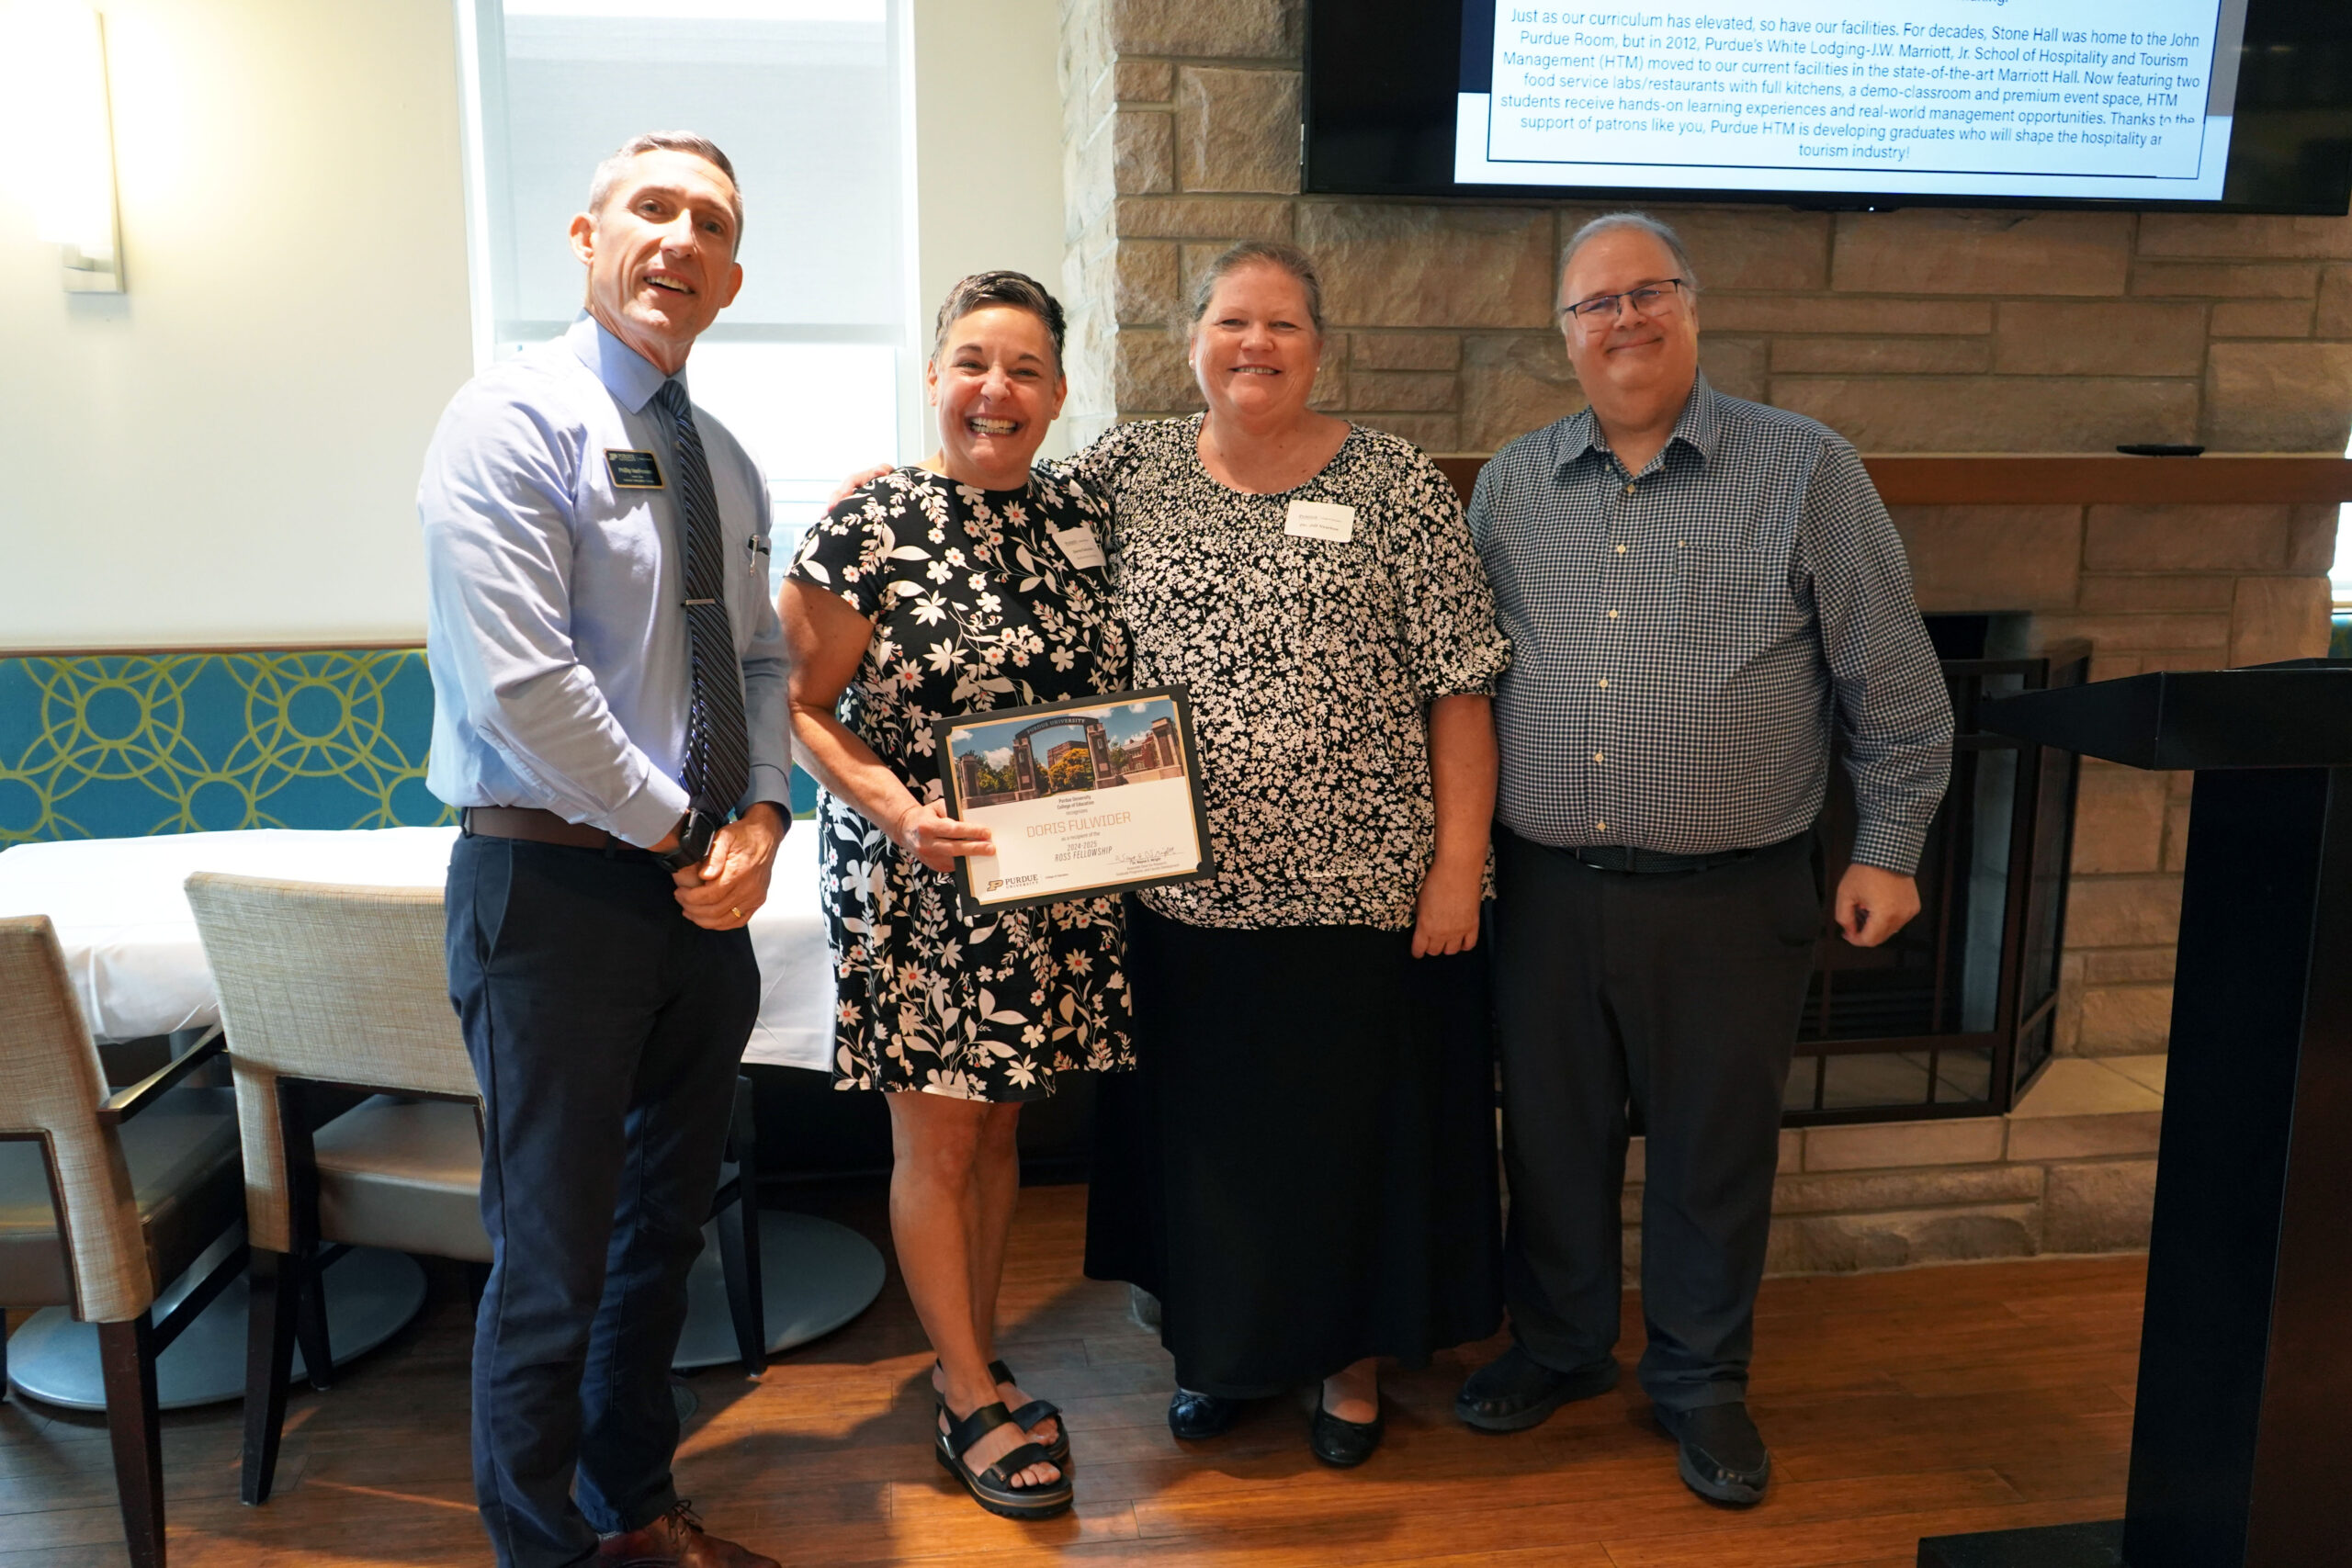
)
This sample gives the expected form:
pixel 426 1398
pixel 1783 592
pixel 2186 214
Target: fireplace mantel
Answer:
pixel 1936 478
pixel 2111 478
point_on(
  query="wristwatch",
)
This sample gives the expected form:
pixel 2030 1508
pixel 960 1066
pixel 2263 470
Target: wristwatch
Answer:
pixel 695 830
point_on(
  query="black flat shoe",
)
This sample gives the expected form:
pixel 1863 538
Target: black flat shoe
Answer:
pixel 1723 1458
pixel 1345 1444
pixel 1515 1391
pixel 1196 1417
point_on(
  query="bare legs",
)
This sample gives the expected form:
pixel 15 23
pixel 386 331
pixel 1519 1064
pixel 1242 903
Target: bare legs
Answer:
pixel 953 1177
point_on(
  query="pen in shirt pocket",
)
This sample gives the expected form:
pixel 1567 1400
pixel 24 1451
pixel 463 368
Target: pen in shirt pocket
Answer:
pixel 754 549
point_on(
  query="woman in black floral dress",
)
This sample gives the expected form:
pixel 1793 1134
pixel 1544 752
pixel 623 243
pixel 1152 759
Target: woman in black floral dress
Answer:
pixel 972 582
pixel 1303 1169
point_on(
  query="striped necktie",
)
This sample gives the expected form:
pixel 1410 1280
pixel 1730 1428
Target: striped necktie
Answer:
pixel 718 755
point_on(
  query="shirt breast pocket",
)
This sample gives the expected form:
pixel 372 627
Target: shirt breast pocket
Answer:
pixel 1732 589
pixel 747 586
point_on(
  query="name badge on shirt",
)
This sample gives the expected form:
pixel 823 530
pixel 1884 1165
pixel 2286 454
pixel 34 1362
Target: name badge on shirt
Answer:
pixel 1080 546
pixel 632 470
pixel 1320 520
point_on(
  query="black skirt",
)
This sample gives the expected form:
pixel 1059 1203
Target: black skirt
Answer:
pixel 1302 1169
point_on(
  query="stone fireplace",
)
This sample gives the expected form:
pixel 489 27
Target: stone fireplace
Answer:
pixel 1996 341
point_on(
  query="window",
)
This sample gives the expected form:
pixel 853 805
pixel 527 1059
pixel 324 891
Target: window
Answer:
pixel 807 98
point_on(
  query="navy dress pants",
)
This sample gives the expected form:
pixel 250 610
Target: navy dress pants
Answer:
pixel 1677 995
pixel 606 1029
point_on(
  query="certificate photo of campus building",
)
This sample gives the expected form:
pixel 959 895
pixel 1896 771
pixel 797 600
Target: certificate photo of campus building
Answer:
pixel 1082 798
pixel 1031 757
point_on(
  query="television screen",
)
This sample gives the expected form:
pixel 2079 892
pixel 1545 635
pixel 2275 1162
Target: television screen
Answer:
pixel 2201 104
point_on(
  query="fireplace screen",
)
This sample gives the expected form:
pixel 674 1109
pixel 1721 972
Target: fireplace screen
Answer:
pixel 1953 1016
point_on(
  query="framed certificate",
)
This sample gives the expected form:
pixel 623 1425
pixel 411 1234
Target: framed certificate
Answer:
pixel 1088 798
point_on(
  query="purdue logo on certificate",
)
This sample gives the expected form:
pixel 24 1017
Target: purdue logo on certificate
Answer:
pixel 1084 798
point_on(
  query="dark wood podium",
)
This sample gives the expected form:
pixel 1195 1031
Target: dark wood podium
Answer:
pixel 2238 1442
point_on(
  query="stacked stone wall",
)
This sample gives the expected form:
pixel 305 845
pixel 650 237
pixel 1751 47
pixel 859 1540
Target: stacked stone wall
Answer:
pixel 1914 331
pixel 2072 1170
pixel 1930 330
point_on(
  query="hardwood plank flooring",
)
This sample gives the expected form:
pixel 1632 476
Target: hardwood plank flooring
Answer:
pixel 1982 1397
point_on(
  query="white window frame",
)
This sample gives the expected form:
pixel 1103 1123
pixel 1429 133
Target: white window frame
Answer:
pixel 480 72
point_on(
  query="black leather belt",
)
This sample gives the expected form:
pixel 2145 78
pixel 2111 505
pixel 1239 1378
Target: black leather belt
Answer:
pixel 1640 862
pixel 539 827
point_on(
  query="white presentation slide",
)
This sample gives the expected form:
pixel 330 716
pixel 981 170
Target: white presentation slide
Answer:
pixel 1964 97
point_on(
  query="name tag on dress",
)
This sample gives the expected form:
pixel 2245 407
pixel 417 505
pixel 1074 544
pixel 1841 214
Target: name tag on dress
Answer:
pixel 1080 546
pixel 1320 520
pixel 632 470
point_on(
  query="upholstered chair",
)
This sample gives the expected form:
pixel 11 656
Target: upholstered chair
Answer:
pixel 333 995
pixel 101 1211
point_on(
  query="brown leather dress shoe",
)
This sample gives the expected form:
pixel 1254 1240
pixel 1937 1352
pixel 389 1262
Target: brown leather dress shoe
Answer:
pixel 676 1540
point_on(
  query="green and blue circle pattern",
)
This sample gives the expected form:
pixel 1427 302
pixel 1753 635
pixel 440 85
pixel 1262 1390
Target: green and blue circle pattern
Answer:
pixel 124 745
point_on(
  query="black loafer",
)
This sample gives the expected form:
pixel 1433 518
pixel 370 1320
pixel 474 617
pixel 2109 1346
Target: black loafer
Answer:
pixel 1194 1416
pixel 1345 1444
pixel 1724 1457
pixel 1515 1391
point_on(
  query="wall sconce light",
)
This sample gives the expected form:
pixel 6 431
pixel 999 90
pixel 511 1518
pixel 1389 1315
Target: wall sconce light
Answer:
pixel 60 80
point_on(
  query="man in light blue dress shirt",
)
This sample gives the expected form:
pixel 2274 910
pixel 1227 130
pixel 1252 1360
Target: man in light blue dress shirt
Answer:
pixel 583 528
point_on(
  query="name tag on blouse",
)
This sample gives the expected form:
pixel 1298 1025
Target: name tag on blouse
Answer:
pixel 1080 546
pixel 1320 520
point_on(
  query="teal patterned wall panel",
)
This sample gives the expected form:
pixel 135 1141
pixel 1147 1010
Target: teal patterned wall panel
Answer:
pixel 119 745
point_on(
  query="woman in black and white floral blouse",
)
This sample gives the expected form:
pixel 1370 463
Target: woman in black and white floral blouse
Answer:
pixel 972 582
pixel 1303 1169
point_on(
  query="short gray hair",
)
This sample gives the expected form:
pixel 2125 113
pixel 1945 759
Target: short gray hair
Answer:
pixel 1259 253
pixel 1640 222
pixel 608 173
pixel 1017 290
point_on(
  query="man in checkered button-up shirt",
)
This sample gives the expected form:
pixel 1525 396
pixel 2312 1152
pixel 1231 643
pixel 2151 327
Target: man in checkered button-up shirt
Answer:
pixel 1697 588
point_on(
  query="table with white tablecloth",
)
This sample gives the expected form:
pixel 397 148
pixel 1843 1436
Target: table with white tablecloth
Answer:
pixel 130 941
pixel 131 945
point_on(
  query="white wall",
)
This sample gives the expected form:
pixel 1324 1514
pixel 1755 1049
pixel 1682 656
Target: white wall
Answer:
pixel 227 453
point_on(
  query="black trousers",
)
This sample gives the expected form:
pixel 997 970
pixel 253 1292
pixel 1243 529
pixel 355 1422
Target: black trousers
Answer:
pixel 606 1029
pixel 1679 995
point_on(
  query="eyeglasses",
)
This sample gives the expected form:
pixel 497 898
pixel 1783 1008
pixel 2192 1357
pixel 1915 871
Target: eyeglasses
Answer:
pixel 1650 300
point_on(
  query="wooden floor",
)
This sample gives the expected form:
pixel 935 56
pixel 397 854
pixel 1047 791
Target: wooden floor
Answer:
pixel 1922 1402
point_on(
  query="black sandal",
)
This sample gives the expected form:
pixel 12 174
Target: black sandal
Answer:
pixel 992 1488
pixel 1030 1415
pixel 1036 1412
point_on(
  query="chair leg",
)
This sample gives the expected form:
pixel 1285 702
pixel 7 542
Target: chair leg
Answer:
pixel 127 1356
pixel 738 1238
pixel 276 1282
pixel 304 1107
pixel 311 1323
